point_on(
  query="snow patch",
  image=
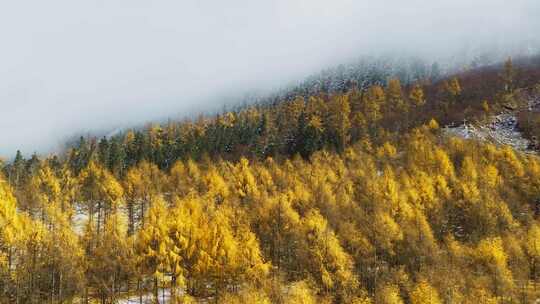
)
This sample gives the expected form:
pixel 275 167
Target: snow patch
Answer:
pixel 501 130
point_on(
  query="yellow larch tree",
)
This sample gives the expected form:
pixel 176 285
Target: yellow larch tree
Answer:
pixel 153 244
pixel 423 293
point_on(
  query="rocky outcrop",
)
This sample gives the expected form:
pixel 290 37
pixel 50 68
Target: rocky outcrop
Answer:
pixel 501 130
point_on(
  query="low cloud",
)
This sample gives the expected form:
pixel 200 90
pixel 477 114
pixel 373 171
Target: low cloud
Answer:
pixel 78 66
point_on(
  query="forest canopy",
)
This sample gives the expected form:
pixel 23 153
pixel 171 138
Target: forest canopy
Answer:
pixel 349 196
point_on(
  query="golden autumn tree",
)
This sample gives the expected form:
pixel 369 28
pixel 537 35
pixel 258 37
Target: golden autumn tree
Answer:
pixel 389 294
pixel 65 259
pixel 373 103
pixel 490 253
pixel 338 120
pixel 101 194
pixel 416 96
pixel 423 293
pixel 394 94
pixel 330 264
pixel 452 92
pixel 533 249
pixel 10 225
pixel 153 244
pixel 109 266
pixel 508 76
pixel 142 184
pixel 397 106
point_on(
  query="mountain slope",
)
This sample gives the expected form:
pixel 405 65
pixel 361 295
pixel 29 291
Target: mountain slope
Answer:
pixel 352 196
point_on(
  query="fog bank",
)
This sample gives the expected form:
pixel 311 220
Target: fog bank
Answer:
pixel 78 66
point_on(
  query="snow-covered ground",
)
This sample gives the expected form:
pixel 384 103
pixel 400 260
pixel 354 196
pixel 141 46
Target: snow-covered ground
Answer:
pixel 164 298
pixel 502 130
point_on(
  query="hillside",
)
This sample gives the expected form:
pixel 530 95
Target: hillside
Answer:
pixel 307 118
pixel 355 194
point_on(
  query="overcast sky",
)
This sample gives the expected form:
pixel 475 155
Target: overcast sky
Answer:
pixel 69 66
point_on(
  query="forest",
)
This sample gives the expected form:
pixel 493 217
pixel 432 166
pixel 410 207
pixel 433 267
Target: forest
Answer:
pixel 349 195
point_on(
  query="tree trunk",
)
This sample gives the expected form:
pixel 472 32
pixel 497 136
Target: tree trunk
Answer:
pixel 131 220
pixel 143 205
pixel 60 288
pixel 113 288
pixel 33 270
pixel 52 286
pixel 139 290
pixel 173 289
pixel 99 220
pixel 156 291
